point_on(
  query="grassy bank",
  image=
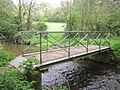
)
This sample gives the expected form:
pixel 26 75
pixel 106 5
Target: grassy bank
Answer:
pixel 5 57
pixel 53 26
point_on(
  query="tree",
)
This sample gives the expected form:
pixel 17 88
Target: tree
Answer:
pixel 27 12
pixel 67 7
pixel 20 16
pixel 8 24
pixel 95 15
pixel 31 5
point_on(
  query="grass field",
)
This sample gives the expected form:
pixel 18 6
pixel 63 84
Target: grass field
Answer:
pixel 53 26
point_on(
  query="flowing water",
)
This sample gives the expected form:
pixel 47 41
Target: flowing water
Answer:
pixel 83 75
pixel 78 74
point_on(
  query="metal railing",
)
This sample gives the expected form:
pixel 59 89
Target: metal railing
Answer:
pixel 66 41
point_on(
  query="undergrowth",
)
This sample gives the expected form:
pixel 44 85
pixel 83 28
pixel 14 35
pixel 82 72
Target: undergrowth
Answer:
pixel 5 57
pixel 13 80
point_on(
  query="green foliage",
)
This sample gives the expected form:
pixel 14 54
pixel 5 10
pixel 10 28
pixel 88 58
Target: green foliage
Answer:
pixel 19 38
pixel 28 65
pixel 1 46
pixel 116 49
pixel 73 23
pixel 95 15
pixel 115 45
pixel 10 20
pixel 39 24
pixel 55 15
pixel 42 26
pixel 8 27
pixel 12 80
pixel 5 57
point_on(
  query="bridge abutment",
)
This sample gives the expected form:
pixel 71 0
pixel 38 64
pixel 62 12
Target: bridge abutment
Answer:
pixel 103 57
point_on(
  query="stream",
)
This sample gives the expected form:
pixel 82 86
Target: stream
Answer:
pixel 17 48
pixel 83 75
pixel 77 74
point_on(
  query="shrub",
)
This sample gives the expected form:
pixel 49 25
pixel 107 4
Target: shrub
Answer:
pixel 42 26
pixel 28 65
pixel 5 57
pixel 12 80
pixel 116 49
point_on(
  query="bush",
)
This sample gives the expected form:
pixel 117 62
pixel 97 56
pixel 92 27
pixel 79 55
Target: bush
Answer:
pixel 12 80
pixel 42 26
pixel 28 65
pixel 115 45
pixel 116 49
pixel 5 57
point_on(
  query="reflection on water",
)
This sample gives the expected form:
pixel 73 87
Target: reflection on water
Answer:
pixel 17 48
pixel 83 75
pixel 14 48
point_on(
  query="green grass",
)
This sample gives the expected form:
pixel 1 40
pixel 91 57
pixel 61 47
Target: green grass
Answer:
pixel 53 26
pixel 114 40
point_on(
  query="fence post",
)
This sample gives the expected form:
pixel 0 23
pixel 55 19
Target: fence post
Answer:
pixel 40 48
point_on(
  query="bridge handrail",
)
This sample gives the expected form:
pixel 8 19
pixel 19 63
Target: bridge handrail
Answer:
pixel 38 32
pixel 86 36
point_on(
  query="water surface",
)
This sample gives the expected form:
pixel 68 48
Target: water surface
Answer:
pixel 83 75
pixel 17 48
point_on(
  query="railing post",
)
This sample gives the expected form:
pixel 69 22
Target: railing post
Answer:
pixel 40 48
pixel 47 40
pixel 109 38
pixel 78 38
pixel 100 42
pixel 69 46
pixel 87 41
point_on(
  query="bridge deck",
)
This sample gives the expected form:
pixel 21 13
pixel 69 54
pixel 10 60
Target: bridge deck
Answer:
pixel 57 55
pixel 60 53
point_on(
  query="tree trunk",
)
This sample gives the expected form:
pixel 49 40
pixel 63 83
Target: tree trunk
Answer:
pixel 28 19
pixel 32 3
pixel 20 16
